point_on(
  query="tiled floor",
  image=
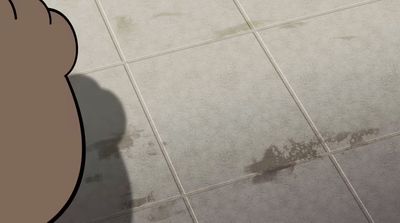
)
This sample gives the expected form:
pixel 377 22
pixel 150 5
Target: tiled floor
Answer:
pixel 238 110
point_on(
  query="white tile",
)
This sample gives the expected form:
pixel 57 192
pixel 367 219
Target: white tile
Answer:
pixel 267 12
pixel 345 69
pixel 221 107
pixel 124 165
pixel 310 192
pixel 166 212
pixel 148 27
pixel 96 48
pixel 374 170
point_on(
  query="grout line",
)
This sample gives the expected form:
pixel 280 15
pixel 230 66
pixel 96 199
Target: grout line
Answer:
pixel 304 111
pixel 367 142
pixel 338 9
pixel 253 30
pixel 247 177
pixel 93 70
pixel 147 113
pixel 210 41
pixel 136 209
pixel 190 46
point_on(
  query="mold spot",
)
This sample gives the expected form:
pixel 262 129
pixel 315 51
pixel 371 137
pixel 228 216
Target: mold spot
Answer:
pixel 94 179
pixel 276 159
pixel 124 24
pixel 167 14
pixel 164 211
pixel 139 201
pixel 293 25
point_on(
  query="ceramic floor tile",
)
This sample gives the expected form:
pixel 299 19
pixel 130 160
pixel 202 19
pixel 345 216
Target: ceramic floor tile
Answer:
pixel 310 192
pixel 223 112
pixel 148 27
pixel 345 69
pixel 124 166
pixel 269 12
pixel 96 48
pixel 169 212
pixel 374 170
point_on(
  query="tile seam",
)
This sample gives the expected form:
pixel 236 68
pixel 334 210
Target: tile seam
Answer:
pixel 147 112
pixel 235 35
pixel 304 112
pixel 222 184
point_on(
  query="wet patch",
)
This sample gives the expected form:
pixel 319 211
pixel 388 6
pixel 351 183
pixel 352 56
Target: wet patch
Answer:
pixel 237 29
pixel 277 158
pixel 164 211
pixel 167 14
pixel 124 24
pixel 293 25
pixel 352 138
pixel 346 37
pixel 94 179
pixel 138 201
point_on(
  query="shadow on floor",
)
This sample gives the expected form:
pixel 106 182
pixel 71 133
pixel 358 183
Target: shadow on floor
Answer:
pixel 105 183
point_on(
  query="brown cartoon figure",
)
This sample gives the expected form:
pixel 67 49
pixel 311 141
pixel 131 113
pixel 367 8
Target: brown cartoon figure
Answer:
pixel 41 138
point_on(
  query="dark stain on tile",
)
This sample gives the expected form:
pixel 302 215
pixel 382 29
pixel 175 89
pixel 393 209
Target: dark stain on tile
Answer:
pixel 353 138
pixel 94 179
pixel 236 29
pixel 167 14
pixel 346 37
pixel 152 153
pixel 276 159
pixel 108 148
pixel 138 201
pixel 124 24
pixel 164 211
pixel 292 25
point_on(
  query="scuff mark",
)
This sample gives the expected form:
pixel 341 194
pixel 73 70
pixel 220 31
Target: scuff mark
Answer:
pixel 139 201
pixel 293 25
pixel 164 211
pixel 236 29
pixel 111 147
pixel 167 14
pixel 94 179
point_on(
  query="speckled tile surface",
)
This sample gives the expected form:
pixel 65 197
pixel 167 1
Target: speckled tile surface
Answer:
pixel 311 192
pixel 124 166
pixel 148 27
pixel 375 172
pixel 344 67
pixel 237 110
pixel 220 115
pixel 96 48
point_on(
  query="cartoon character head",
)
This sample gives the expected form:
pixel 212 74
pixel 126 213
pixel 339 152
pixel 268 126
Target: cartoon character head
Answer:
pixel 41 136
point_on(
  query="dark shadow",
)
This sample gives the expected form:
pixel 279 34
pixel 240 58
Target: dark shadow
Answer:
pixel 105 184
